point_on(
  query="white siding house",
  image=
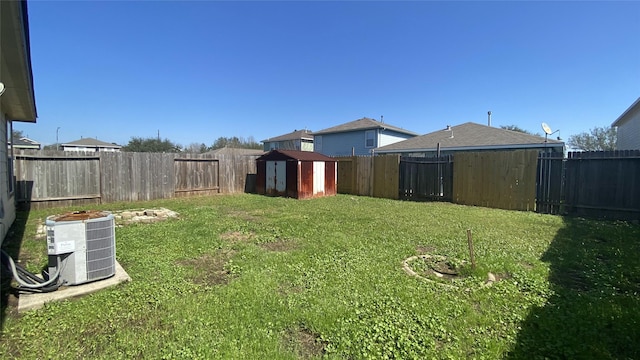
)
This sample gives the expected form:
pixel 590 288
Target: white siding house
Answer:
pixel 17 102
pixel 629 128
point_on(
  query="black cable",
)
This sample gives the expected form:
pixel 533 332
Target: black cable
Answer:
pixel 25 272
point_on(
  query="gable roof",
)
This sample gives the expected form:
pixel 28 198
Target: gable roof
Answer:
pixel 363 124
pixel 235 151
pixel 294 135
pixel 469 136
pixel 92 143
pixel 24 142
pixel 626 114
pixel 294 155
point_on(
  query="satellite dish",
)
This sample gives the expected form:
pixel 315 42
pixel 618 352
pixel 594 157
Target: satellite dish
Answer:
pixel 546 128
pixel 2 88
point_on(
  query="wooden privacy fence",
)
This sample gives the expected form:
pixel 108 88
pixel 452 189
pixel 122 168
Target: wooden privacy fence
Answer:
pixel 426 179
pixel 594 184
pixel 497 179
pixel 375 176
pixel 55 178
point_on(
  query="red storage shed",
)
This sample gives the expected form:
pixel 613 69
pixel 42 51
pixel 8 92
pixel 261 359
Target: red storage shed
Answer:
pixel 296 174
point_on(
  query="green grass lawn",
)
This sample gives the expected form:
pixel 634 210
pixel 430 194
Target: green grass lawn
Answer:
pixel 254 277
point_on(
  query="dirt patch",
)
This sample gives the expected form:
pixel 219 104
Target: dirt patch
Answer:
pixel 237 236
pixel 286 289
pixel 210 269
pixel 527 265
pixel 244 215
pixel 425 249
pixel 304 343
pixel 503 276
pixel 279 246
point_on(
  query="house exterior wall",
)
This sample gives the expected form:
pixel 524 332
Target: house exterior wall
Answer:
pixel 306 145
pixel 629 132
pixel 88 149
pixel 7 192
pixel 344 143
pixel 298 144
pixel 388 137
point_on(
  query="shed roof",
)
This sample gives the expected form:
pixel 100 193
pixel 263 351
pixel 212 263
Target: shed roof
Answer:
pixel 91 142
pixel 363 124
pixel 294 155
pixel 469 136
pixel 294 135
pixel 625 116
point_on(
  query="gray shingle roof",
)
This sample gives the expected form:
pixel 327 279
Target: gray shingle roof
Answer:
pixel 468 135
pixel 235 151
pixel 24 142
pixel 91 142
pixel 362 124
pixel 294 135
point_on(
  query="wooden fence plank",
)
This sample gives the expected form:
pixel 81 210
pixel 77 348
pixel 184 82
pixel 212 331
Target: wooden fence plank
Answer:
pixel 498 179
pixel 53 178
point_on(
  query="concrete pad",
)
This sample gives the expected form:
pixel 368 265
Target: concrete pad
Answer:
pixel 31 301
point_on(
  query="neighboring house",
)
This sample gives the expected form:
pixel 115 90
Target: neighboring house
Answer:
pixel 470 137
pixel 89 144
pixel 629 128
pixel 24 143
pixel 17 102
pixel 301 140
pixel 359 137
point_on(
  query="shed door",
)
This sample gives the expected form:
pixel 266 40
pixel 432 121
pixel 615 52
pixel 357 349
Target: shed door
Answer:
pixel 276 176
pixel 318 177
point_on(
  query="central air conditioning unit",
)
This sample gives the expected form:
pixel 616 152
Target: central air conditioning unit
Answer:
pixel 81 246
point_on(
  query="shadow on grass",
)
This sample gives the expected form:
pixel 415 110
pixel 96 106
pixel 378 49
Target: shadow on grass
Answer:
pixel 11 245
pixel 593 311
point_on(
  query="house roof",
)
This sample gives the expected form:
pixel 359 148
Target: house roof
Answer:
pixel 363 124
pixel 18 100
pixel 24 142
pixel 626 114
pixel 235 151
pixel 469 136
pixel 294 155
pixel 294 135
pixel 92 143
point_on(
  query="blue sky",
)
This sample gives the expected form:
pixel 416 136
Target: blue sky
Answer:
pixel 198 70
